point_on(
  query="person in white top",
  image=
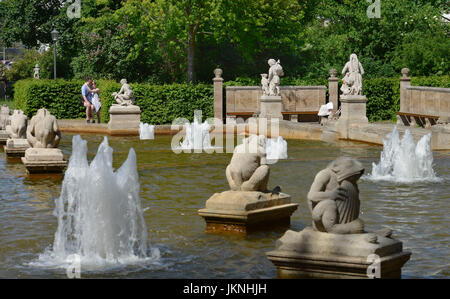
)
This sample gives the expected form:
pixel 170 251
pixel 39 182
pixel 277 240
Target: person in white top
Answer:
pixel 96 101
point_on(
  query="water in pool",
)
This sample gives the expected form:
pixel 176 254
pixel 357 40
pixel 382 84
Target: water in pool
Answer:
pixel 173 187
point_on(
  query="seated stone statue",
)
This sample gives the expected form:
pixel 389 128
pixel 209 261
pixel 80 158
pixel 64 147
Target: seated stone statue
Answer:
pixel 43 130
pixel 352 80
pixel 4 116
pixel 334 198
pixel 18 124
pixel 125 96
pixel 248 170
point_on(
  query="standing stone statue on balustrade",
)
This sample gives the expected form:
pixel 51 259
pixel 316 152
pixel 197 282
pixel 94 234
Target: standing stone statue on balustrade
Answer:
pixel 353 101
pixel 336 245
pixel 271 104
pixel 352 77
pixel 43 135
pixel 248 205
pixel 17 144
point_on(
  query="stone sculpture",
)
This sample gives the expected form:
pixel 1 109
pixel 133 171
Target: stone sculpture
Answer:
pixel 336 246
pixel 125 96
pixel 275 72
pixel 352 80
pixel 4 116
pixel 248 205
pixel 265 84
pixel 36 71
pixel 18 124
pixel 43 135
pixel 43 131
pixel 334 198
pixel 248 170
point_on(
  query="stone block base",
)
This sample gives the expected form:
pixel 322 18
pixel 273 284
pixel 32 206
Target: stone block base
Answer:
pixel 271 107
pixel 44 160
pixel 353 111
pixel 16 147
pixel 313 254
pixel 3 136
pixel 124 119
pixel 244 212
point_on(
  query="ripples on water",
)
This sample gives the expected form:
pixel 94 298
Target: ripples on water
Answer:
pixel 174 187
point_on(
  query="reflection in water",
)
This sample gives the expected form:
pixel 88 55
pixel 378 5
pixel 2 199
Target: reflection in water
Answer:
pixel 175 186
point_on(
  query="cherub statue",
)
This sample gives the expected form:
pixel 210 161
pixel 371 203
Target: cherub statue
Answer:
pixel 334 198
pixel 248 169
pixel 352 81
pixel 43 131
pixel 275 72
pixel 125 96
pixel 18 124
pixel 265 84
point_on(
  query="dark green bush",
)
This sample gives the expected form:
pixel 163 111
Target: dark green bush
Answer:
pixel 160 104
pixel 383 98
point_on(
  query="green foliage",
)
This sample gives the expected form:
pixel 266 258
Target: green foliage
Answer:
pixel 160 104
pixel 23 68
pixel 431 81
pixel 383 98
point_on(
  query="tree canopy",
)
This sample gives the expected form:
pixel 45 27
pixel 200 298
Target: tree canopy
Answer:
pixel 164 41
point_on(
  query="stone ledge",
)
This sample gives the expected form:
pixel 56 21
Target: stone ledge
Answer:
pixel 312 254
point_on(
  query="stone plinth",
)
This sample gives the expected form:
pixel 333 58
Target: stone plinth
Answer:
pixel 271 107
pixel 4 135
pixel 124 118
pixel 313 254
pixel 16 147
pixel 353 111
pixel 245 211
pixel 44 160
pixel 440 137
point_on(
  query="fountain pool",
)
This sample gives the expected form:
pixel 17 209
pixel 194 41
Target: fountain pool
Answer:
pixel 174 186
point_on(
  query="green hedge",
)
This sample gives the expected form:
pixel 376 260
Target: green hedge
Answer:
pixel 160 104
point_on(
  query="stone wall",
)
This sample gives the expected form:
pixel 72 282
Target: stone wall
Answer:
pixel 294 98
pixel 428 101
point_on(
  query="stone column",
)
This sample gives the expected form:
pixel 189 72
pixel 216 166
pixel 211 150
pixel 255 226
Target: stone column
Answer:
pixel 218 94
pixel 333 89
pixel 405 82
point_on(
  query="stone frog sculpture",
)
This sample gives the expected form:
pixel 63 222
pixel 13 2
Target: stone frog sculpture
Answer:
pixel 125 96
pixel 4 116
pixel 334 198
pixel 248 170
pixel 18 124
pixel 43 130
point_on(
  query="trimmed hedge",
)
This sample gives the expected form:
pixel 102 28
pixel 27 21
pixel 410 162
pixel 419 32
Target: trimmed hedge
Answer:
pixel 160 104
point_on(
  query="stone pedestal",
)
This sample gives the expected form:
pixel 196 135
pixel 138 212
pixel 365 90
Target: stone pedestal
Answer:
pixel 124 119
pixel 218 94
pixel 242 212
pixel 4 135
pixel 16 147
pixel 44 160
pixel 313 254
pixel 353 111
pixel 271 107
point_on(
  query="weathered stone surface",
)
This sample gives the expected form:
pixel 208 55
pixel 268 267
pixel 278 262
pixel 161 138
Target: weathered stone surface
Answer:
pixel 18 127
pixel 124 117
pixel 353 111
pixel 313 254
pixel 245 211
pixel 43 131
pixel 16 147
pixel 271 107
pixel 44 160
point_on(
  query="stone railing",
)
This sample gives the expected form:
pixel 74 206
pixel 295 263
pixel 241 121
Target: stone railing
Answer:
pixel 298 102
pixel 421 105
